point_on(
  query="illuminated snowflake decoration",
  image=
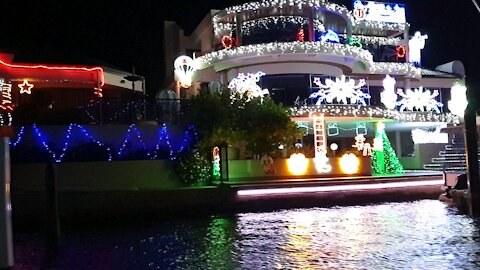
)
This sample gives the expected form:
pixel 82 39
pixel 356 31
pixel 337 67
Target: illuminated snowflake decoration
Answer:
pixel 341 90
pixel 245 85
pixel 417 99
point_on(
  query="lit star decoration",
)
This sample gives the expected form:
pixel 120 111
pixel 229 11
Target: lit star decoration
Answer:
pixel 388 96
pixel 25 87
pixel 330 36
pixel 341 90
pixel 417 99
pixel 245 86
pixel 458 103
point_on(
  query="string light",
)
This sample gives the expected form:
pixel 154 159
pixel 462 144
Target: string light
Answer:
pixel 162 136
pixel 388 96
pixel 330 36
pixel 417 99
pixel 228 42
pixel 401 51
pixel 341 90
pixel 375 112
pixel 25 87
pixel 458 103
pixel 316 47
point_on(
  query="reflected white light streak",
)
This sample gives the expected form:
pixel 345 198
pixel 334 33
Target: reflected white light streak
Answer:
pixel 275 191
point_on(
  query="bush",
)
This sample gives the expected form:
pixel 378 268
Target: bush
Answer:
pixel 193 168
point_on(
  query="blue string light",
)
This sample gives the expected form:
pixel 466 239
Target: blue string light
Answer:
pixel 19 137
pixel 162 137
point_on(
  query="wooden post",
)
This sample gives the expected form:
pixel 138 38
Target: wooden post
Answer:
pixel 471 148
pixel 52 222
pixel 6 239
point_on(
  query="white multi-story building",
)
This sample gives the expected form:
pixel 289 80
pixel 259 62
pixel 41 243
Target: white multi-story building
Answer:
pixel 350 67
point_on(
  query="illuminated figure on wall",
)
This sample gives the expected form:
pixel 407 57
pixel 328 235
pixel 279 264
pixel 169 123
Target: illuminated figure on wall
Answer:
pixel 416 45
pixel 330 36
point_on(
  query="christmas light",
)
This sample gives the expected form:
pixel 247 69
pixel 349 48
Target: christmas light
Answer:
pixel 162 136
pixel 216 162
pixel 349 163
pixel 316 47
pixel 97 70
pixel 297 164
pixel 346 92
pixel 388 96
pixel 25 87
pixel 334 147
pixel 361 145
pixel 458 103
pixel 245 85
pixel 374 40
pixel 415 45
pixel 401 51
pixel 417 99
pixel 6 88
pixel 384 158
pixel 228 42
pixel 330 36
pixel 300 35
pixel 373 112
pixel 321 163
pixel 332 129
pixel 280 22
pixel 184 69
pixel 380 12
pixel 361 129
pixel 420 136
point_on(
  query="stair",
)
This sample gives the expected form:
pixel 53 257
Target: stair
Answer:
pixel 453 158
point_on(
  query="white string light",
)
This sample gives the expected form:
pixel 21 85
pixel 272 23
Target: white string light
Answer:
pixel 375 112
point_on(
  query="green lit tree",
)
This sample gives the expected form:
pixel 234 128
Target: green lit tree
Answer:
pixel 385 161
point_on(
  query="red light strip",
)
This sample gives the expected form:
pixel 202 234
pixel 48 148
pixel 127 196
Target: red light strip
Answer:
pixel 58 68
pixel 280 191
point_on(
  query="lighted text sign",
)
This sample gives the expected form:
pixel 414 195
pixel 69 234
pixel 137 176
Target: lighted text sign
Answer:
pixel 380 12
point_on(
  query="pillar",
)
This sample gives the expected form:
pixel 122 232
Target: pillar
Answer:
pixel 471 148
pixel 238 30
pixel 311 28
pixel 6 238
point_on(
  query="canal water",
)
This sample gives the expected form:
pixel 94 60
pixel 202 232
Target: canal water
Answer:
pixel 422 234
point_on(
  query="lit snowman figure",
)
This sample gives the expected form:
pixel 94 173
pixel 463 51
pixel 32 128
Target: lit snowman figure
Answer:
pixel 388 96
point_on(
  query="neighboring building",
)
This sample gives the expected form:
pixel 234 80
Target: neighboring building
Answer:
pixel 341 71
pixel 34 92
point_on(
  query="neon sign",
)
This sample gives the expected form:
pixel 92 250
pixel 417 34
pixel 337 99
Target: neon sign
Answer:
pixel 380 12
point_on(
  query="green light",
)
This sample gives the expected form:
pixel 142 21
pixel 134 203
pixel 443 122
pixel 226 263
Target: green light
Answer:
pixel 384 161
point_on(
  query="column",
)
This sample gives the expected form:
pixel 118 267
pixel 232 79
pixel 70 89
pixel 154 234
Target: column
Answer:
pixel 311 27
pixel 6 241
pixel 238 30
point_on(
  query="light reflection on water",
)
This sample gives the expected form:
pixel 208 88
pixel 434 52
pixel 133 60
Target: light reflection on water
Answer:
pixel 415 235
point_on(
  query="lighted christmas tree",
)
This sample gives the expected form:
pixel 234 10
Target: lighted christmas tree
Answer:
pixel 384 159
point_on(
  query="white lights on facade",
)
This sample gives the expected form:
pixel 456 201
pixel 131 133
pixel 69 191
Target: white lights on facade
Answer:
pixel 380 12
pixel 420 136
pixel 415 47
pixel 388 96
pixel 342 90
pixel 420 100
pixel 458 103
pixel 245 85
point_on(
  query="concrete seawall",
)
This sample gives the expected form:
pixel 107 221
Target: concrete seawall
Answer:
pixel 77 206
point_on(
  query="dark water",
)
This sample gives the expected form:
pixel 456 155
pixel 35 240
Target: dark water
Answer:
pixel 415 235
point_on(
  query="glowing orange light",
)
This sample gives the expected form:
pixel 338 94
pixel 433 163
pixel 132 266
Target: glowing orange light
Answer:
pixel 25 87
pixel 297 164
pixel 349 163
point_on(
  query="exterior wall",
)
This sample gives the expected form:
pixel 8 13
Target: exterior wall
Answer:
pixel 97 176
pixel 173 47
pixel 116 79
pixel 423 154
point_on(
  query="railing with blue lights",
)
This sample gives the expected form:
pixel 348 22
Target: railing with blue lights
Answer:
pixel 133 141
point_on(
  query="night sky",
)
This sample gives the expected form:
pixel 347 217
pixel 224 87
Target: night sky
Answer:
pixel 124 33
